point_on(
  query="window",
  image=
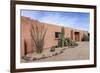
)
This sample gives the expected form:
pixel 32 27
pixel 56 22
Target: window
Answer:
pixel 57 34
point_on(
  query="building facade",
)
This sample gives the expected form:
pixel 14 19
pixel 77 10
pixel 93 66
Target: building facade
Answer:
pixel 51 37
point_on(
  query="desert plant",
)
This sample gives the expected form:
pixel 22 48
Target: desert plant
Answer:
pixel 62 38
pixel 73 43
pixel 85 37
pixel 52 49
pixel 39 50
pixel 38 33
pixel 56 46
pixel 68 42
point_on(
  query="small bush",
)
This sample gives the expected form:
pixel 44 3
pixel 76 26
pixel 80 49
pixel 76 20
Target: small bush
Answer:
pixel 52 49
pixel 74 43
pixel 56 46
pixel 39 51
pixel 69 42
pixel 26 58
pixel 85 38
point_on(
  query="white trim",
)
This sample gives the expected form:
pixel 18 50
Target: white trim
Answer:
pixel 51 64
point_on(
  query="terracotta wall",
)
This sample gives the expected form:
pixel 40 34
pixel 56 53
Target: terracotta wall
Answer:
pixel 50 40
pixel 26 36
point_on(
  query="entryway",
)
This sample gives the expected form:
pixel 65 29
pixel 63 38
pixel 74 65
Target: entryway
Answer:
pixel 77 35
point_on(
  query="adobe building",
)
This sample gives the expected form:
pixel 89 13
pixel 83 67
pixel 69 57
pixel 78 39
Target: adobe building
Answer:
pixel 51 37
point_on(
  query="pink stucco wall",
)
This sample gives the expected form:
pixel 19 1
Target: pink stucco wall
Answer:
pixel 50 40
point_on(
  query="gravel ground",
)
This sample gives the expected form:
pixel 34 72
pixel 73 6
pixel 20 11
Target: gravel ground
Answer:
pixel 81 52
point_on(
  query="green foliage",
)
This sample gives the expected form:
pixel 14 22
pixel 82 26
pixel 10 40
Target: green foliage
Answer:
pixel 56 46
pixel 39 51
pixel 69 42
pixel 65 42
pixel 52 49
pixel 62 37
pixel 85 38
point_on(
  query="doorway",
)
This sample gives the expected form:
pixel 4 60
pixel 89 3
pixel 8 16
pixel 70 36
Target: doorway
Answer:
pixel 25 47
pixel 77 36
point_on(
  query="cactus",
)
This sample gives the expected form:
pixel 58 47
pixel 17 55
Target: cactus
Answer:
pixel 62 37
pixel 38 33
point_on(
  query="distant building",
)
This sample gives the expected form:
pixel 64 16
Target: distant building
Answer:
pixel 52 35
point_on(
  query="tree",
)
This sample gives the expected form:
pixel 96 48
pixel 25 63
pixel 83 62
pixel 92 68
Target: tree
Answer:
pixel 38 33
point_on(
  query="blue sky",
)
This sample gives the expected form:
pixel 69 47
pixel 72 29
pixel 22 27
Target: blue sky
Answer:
pixel 78 20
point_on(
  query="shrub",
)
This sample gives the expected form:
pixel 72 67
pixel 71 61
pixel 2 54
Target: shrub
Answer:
pixel 26 58
pixel 38 33
pixel 56 46
pixel 74 43
pixel 85 38
pixel 69 42
pixel 39 51
pixel 52 49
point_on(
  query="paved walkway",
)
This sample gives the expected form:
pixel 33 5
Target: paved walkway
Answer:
pixel 81 52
